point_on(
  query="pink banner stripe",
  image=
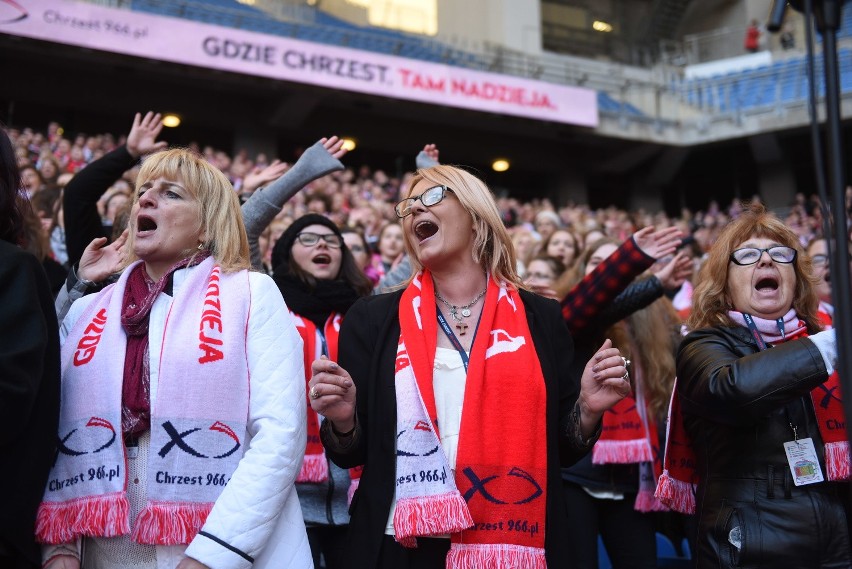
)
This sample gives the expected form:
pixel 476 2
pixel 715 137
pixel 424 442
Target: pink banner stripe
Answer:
pixel 217 47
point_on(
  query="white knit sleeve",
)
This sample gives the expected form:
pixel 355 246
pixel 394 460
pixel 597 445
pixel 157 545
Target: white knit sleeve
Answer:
pixel 826 343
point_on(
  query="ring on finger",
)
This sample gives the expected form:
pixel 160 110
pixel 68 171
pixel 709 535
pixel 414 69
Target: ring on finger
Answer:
pixel 314 393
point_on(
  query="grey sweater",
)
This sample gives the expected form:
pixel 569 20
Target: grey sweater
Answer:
pixel 265 203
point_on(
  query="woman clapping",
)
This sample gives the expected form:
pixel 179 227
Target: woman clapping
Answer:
pixel 465 407
pixel 182 420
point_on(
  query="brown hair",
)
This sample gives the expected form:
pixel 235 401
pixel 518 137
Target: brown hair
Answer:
pixel 649 337
pixel 574 240
pixel 710 304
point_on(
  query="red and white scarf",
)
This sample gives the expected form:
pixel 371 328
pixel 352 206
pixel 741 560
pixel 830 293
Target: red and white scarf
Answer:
pixel 825 315
pixel 494 507
pixel 315 465
pixel 198 420
pixel 676 486
pixel 629 437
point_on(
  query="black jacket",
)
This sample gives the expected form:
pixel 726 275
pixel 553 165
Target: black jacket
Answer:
pixel 80 200
pixel 739 406
pixel 623 478
pixel 29 397
pixel 368 344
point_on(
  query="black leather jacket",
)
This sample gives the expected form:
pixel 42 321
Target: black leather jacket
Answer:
pixel 740 406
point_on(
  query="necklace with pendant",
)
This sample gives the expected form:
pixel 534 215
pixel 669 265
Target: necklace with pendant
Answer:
pixel 459 312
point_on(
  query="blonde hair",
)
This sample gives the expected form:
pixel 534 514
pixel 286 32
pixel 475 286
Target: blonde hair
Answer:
pixel 221 220
pixel 710 303
pixel 492 247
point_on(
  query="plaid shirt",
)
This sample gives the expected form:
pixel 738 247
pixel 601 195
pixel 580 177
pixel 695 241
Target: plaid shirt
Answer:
pixel 601 286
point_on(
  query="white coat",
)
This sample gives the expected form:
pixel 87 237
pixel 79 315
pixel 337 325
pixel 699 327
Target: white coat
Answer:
pixel 256 521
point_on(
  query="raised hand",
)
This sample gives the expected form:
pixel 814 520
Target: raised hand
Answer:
pixel 431 150
pixel 261 176
pixel 332 394
pixel 658 244
pixel 545 291
pixel 334 145
pixel 675 272
pixel 99 261
pixel 143 135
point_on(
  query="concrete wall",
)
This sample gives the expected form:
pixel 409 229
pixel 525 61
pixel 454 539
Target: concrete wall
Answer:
pixel 515 24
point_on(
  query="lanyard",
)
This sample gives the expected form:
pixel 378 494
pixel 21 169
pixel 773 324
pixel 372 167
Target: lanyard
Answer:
pixel 452 337
pixel 324 343
pixel 761 343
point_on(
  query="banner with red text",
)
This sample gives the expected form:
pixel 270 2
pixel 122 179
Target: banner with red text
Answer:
pixel 229 49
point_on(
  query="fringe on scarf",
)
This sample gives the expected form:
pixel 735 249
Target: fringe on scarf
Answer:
pixel 837 460
pixel 106 515
pixel 622 452
pixel 495 556
pixel 170 523
pixel 676 494
pixel 314 469
pixel 430 515
pixel 646 501
pixel 353 487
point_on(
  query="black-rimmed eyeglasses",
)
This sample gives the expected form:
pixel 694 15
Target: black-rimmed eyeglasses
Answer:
pixel 751 255
pixel 309 239
pixel 428 198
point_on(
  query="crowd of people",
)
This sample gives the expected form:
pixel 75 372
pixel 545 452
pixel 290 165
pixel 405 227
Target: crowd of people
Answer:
pixel 236 361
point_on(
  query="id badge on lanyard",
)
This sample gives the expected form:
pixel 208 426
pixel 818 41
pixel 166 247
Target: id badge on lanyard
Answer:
pixel 801 453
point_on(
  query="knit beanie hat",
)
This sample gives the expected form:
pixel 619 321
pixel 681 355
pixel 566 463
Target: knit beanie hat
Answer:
pixel 281 251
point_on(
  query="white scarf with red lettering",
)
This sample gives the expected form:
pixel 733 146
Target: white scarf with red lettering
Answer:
pixel 198 420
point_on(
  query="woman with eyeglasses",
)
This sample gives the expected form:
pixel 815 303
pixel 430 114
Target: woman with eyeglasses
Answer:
pixel 541 275
pixel 456 397
pixel 757 441
pixel 818 252
pixel 320 280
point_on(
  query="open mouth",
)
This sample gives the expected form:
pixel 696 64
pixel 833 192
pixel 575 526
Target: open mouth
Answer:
pixel 321 259
pixel 767 284
pixel 145 223
pixel 425 229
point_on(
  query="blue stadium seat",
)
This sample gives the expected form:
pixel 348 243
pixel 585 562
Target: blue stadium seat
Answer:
pixel 765 86
pixel 609 105
pixel 325 29
pixel 667 555
pixel 603 557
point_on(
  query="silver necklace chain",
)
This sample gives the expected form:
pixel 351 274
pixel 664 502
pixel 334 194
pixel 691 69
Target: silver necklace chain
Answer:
pixel 463 310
